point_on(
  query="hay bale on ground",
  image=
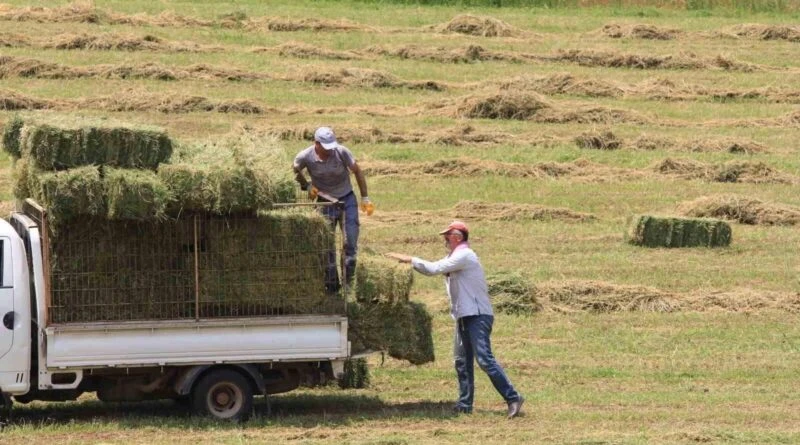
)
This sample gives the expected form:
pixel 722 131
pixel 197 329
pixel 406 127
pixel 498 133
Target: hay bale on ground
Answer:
pixel 11 135
pixel 605 140
pixel 379 279
pixel 60 144
pixel 741 209
pixel 655 231
pixel 135 195
pixel 513 294
pixel 69 193
pixel 403 330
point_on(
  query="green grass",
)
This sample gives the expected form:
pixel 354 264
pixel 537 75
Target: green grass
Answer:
pixel 715 376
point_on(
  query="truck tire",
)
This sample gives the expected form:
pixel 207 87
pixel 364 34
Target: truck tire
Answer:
pixel 5 409
pixel 223 394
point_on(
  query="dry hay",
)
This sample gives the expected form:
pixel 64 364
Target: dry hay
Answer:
pixel 512 293
pixel 598 296
pixel 745 300
pixel 731 171
pixel 578 170
pixel 11 100
pixel 280 24
pixel 589 115
pixel 646 142
pixel 507 211
pixel 135 101
pixel 468 54
pixel 307 51
pixel 6 207
pixel 107 42
pixel 456 136
pixel 80 12
pixel 616 60
pixel 562 83
pixel 666 231
pixel 766 32
pixel 403 330
pixel 726 145
pixel 14 40
pixel 741 209
pixel 520 106
pixel 598 140
pixel 362 77
pixel 480 26
pixel 382 280
pixel 639 31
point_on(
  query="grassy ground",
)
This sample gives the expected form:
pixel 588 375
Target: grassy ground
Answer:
pixel 721 374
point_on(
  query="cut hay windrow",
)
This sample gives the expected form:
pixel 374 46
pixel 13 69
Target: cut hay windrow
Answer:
pixel 305 51
pixel 403 330
pixel 380 280
pixel 477 26
pixel 658 231
pixel 596 296
pixel 507 211
pixel 731 171
pixel 65 143
pixel 789 33
pixel 639 31
pixel 468 54
pixel 741 209
pixel 605 140
pixel 511 293
pixel 561 83
pixel 520 106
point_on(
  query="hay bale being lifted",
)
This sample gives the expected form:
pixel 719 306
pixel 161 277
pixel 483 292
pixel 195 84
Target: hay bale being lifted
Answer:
pixel 403 330
pixel 656 231
pixel 379 279
pixel 60 144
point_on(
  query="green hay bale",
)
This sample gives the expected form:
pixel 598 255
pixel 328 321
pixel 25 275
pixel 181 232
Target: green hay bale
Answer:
pixel 63 144
pixel 11 135
pixel 654 231
pixel 513 294
pixel 379 279
pixel 403 330
pixel 21 178
pixel 135 195
pixel 66 194
pixel 356 374
pixel 189 185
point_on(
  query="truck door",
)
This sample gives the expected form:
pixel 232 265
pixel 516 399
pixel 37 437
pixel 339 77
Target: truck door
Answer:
pixel 6 297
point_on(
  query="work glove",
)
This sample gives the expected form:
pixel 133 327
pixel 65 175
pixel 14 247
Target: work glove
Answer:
pixel 367 206
pixel 312 192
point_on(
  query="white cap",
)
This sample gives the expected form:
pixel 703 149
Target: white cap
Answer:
pixel 326 138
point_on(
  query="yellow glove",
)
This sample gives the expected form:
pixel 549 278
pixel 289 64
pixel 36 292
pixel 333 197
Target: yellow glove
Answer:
pixel 312 193
pixel 367 206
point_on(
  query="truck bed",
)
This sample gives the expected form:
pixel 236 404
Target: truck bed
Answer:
pixel 182 342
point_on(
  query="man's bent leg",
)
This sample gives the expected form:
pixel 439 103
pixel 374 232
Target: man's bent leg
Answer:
pixel 463 358
pixel 479 329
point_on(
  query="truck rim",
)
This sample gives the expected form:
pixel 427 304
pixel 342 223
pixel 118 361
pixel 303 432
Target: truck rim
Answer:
pixel 224 400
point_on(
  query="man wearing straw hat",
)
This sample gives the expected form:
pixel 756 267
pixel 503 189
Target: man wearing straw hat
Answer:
pixel 470 307
pixel 329 164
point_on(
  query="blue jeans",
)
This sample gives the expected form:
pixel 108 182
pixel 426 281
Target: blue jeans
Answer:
pixel 351 227
pixel 472 343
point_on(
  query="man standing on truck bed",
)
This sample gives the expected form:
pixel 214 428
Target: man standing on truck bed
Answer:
pixel 329 164
pixel 470 307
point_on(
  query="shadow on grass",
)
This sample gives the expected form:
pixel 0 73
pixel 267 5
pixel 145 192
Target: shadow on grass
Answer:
pixel 299 410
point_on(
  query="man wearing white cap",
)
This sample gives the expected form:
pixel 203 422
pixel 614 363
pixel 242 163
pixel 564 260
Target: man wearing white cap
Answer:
pixel 470 307
pixel 329 164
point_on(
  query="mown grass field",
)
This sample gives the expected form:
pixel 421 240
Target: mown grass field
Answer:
pixel 686 93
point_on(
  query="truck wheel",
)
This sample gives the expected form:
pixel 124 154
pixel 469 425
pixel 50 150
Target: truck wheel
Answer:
pixel 223 394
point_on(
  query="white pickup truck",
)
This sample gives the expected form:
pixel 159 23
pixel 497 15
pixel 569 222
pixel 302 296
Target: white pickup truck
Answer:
pixel 215 365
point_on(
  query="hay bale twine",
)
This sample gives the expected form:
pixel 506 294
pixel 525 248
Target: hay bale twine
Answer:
pixel 657 231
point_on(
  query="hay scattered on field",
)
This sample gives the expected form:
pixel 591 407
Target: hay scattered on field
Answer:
pixel 647 142
pixel 639 31
pixel 598 296
pixel 744 300
pixel 519 106
pixel 135 101
pixel 589 115
pixel 742 209
pixel 512 293
pixel 282 24
pixel 307 51
pixel 14 40
pixel 506 211
pixel 598 140
pixel 480 26
pixel 617 60
pixel 456 136
pixel 11 100
pixel 79 11
pixel 561 83
pixel 362 77
pixel 117 42
pixel 468 54
pixel 732 171
pixel 766 32
pixel 658 231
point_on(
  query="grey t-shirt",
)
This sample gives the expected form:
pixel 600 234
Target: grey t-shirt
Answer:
pixel 331 176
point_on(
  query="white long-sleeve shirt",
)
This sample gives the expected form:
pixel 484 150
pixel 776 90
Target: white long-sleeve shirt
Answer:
pixel 464 280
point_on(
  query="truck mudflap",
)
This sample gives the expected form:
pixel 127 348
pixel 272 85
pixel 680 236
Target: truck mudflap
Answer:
pixel 183 384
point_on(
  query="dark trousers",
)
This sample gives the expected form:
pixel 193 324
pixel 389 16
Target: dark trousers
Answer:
pixel 351 229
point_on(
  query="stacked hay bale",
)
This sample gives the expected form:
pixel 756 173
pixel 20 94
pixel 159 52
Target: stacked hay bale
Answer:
pixel 656 231
pixel 383 318
pixel 128 229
